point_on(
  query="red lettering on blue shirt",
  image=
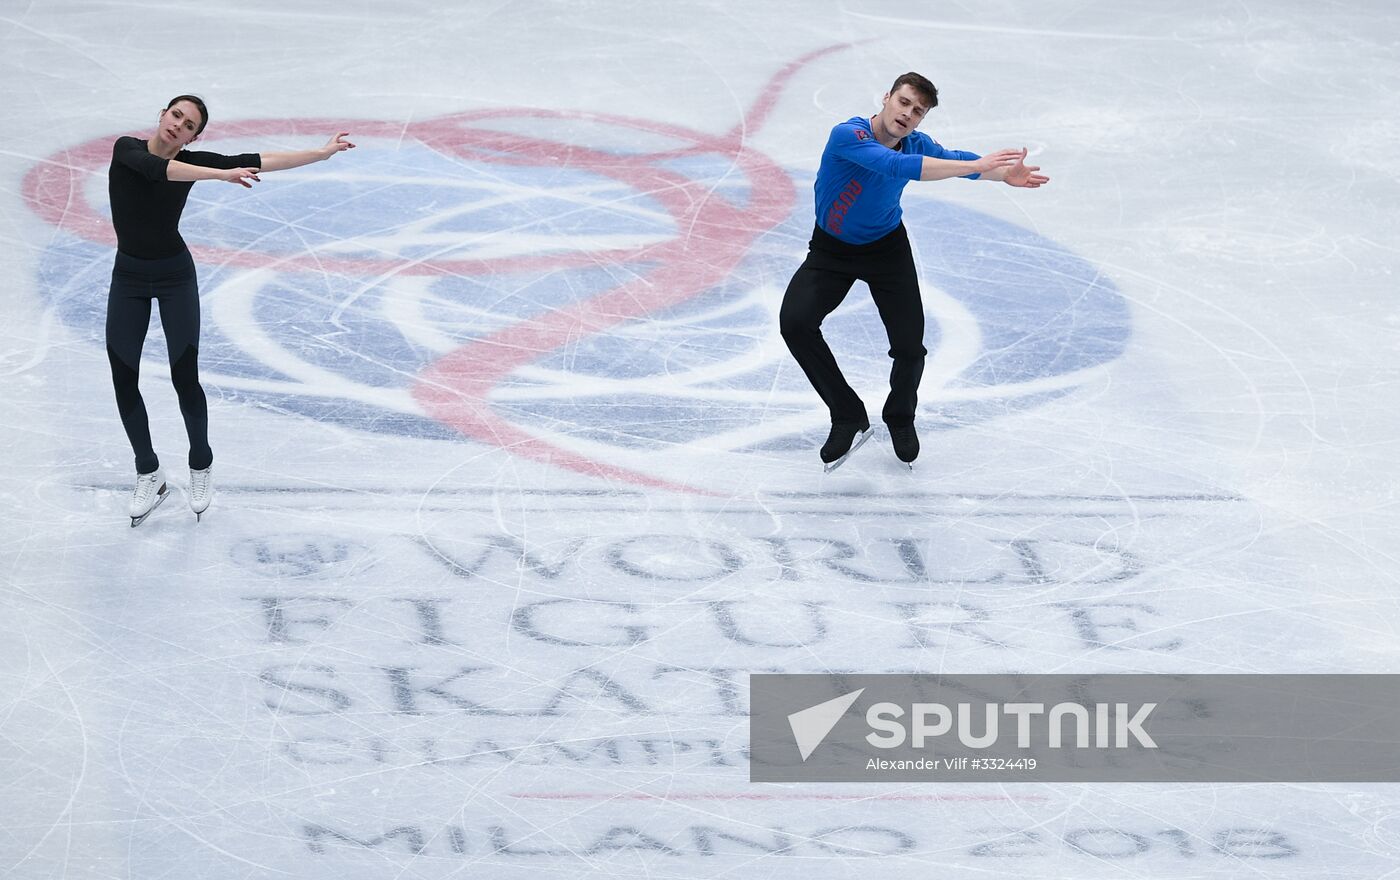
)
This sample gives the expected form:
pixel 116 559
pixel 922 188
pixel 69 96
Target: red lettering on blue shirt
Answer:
pixel 844 202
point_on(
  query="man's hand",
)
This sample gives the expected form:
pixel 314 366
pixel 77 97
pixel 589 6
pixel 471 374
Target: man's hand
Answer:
pixel 1021 174
pixel 993 161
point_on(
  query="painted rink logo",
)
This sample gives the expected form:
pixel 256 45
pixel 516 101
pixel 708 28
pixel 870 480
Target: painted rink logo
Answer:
pixel 591 291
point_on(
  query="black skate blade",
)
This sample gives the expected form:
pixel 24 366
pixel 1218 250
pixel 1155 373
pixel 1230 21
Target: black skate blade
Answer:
pixel 160 499
pixel 859 442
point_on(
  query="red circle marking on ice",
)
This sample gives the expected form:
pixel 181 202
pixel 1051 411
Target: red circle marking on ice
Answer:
pixel 715 236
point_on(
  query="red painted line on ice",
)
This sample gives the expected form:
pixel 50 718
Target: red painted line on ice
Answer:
pixel 713 236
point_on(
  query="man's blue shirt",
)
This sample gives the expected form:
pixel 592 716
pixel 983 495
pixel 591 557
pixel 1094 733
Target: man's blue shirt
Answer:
pixel 860 179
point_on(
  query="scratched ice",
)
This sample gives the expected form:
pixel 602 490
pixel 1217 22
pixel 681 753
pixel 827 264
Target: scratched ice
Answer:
pixel 517 483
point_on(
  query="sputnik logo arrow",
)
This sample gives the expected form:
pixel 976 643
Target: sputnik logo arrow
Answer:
pixel 811 725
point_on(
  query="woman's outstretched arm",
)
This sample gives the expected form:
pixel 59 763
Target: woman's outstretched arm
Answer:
pixel 298 158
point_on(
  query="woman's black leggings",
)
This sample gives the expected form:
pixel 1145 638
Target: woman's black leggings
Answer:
pixel 172 283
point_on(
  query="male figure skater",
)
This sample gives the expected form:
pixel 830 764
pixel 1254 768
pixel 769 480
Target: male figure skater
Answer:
pixel 859 236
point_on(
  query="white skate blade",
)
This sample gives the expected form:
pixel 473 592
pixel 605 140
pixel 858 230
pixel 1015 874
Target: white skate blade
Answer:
pixel 859 442
pixel 160 499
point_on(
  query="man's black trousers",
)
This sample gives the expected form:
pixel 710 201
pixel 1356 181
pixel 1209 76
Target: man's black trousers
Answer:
pixel 832 266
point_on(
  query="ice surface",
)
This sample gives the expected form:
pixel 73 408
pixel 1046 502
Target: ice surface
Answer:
pixel 517 482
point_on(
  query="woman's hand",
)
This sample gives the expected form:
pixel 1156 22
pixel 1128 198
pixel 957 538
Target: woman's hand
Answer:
pixel 243 176
pixel 337 144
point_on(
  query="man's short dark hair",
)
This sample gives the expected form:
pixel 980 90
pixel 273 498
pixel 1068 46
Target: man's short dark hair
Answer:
pixel 920 85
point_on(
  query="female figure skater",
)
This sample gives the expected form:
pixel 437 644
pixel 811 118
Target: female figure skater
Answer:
pixel 148 183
